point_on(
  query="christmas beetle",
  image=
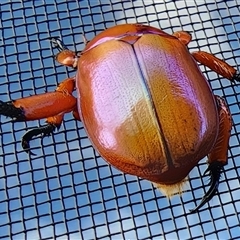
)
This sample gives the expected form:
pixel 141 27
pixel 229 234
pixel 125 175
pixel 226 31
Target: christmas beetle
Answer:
pixel 145 105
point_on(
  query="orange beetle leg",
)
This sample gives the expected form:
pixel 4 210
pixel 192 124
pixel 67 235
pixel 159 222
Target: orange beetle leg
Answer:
pixel 76 115
pixel 65 56
pixel 217 65
pixel 218 156
pixel 183 37
pixel 51 105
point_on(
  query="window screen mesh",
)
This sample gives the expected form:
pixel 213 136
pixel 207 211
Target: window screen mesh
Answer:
pixel 66 191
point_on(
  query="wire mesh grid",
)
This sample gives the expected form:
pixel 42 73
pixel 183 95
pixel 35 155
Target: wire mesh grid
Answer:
pixel 66 191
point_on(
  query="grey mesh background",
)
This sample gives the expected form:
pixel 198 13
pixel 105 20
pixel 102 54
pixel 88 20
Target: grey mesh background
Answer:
pixel 67 191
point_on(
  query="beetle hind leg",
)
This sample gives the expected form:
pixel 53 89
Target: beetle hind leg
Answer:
pixel 217 158
pixel 215 169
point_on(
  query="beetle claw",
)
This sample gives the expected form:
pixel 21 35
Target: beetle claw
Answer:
pixel 215 169
pixel 27 137
pixel 236 78
pixel 9 110
pixel 58 44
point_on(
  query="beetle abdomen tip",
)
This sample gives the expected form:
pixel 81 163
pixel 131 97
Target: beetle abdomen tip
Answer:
pixel 171 189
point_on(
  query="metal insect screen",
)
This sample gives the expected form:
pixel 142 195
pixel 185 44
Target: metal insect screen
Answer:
pixel 66 191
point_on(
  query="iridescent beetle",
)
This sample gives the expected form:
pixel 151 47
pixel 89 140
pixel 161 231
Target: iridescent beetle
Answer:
pixel 145 105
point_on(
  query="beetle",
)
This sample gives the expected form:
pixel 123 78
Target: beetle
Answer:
pixel 145 105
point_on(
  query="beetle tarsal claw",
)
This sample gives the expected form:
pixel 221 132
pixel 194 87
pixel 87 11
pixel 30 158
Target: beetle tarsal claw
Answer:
pixel 27 137
pixel 236 77
pixel 58 44
pixel 9 110
pixel 215 169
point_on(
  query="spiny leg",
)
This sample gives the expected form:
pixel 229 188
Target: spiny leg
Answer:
pixel 218 156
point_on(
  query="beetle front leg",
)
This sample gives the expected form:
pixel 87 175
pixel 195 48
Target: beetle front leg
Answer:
pixel 218 156
pixel 52 105
pixel 217 65
pixel 65 56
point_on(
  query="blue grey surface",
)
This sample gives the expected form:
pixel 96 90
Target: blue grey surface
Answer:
pixel 67 191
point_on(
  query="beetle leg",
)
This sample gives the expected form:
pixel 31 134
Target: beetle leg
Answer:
pixel 214 170
pixel 52 123
pixel 58 44
pixel 217 65
pixel 42 105
pixel 8 109
pixel 183 36
pixel 52 105
pixel 65 56
pixel 75 114
pixel 218 156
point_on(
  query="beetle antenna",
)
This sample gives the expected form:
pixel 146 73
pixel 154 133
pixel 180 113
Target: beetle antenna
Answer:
pixel 46 130
pixel 215 169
